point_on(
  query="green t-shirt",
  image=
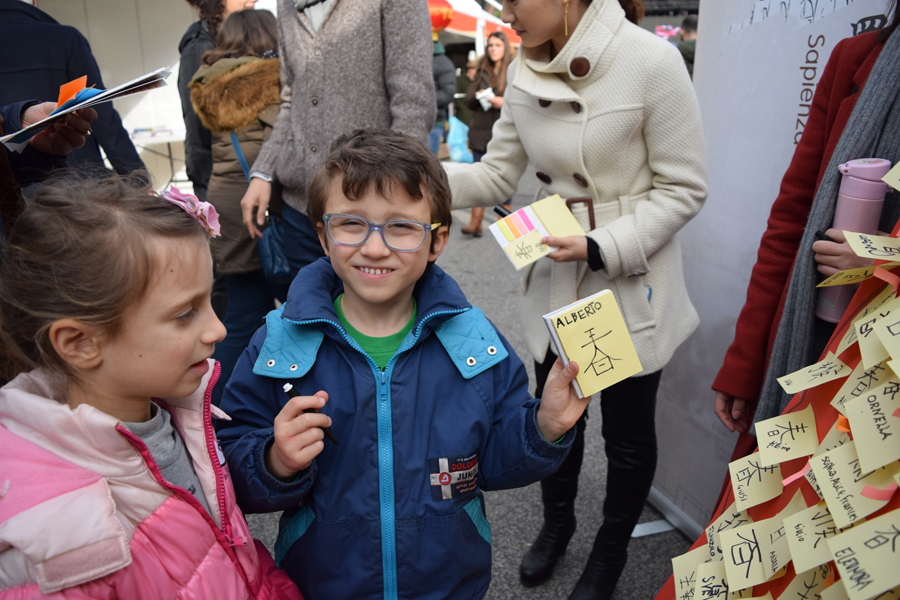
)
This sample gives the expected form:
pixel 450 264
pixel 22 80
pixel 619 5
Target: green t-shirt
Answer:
pixel 381 349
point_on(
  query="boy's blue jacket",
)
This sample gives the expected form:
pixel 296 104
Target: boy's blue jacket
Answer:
pixel 396 510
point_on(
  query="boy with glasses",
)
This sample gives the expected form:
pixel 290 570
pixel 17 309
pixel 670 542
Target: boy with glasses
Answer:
pixel 428 403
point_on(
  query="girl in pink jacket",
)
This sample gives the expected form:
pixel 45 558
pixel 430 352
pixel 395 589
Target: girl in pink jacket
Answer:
pixel 112 484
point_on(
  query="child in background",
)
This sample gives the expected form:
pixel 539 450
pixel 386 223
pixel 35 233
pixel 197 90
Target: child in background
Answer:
pixel 113 485
pixel 428 402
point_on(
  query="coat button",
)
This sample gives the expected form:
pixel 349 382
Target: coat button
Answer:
pixel 315 101
pixel 294 367
pixel 492 350
pixel 580 66
pixel 544 103
pixel 580 179
pixel 575 106
pixel 313 149
pixel 270 363
pixel 544 177
pixel 471 361
pixel 317 52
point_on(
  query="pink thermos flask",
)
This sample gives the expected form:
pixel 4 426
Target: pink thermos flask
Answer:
pixel 858 209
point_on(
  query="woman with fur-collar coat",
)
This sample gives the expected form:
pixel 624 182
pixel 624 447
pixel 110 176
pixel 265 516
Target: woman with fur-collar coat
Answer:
pixel 238 94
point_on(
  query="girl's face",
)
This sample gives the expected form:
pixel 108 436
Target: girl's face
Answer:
pixel 236 6
pixel 160 351
pixel 495 49
pixel 536 21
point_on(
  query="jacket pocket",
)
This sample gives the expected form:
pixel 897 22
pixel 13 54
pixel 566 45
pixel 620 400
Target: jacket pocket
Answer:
pixel 635 300
pixel 292 530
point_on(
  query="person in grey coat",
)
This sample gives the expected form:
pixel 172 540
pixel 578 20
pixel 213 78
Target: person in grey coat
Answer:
pixel 345 65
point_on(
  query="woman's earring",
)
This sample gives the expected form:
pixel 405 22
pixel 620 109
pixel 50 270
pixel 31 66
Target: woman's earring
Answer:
pixel 566 20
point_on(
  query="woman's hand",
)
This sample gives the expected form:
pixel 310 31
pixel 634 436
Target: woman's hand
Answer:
pixel 256 199
pixel 569 248
pixel 837 255
pixel 733 412
pixel 497 102
pixel 560 407
pixel 63 136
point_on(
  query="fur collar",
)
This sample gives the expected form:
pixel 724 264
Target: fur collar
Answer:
pixel 228 95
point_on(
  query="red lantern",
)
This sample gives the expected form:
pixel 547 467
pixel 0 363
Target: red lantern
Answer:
pixel 441 14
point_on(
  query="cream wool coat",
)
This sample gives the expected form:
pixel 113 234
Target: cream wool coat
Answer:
pixel 613 116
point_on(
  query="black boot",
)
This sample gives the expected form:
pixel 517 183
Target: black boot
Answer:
pixel 558 493
pixel 630 436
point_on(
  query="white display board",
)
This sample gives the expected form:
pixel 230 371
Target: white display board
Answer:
pixel 757 64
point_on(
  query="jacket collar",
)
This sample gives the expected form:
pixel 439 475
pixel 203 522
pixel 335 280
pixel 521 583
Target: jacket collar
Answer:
pixel 594 40
pixel 311 296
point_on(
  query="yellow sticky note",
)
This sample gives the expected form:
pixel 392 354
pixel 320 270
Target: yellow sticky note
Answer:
pixel 526 249
pixel 875 422
pixel 843 483
pixel 753 482
pixel 773 540
pixel 743 548
pixel 556 217
pixel 852 276
pixel 810 476
pixel 808 584
pixel 787 436
pixel 834 438
pixel 888 332
pixel 828 369
pixel 871 348
pixel 729 519
pixel 713 583
pixel 592 332
pixel 807 533
pixel 768 596
pixel 893 177
pixel 867 556
pixel 877 247
pixel 684 570
pixel 860 381
pixel 835 591
pixel 886 294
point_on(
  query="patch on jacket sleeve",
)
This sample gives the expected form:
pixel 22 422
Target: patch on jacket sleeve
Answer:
pixel 471 342
pixel 453 477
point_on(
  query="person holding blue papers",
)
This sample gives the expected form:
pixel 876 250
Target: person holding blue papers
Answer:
pixel 605 111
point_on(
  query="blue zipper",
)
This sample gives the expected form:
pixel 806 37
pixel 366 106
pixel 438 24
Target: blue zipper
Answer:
pixel 385 447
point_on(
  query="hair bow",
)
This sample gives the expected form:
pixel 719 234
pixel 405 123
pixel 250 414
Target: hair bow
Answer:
pixel 202 211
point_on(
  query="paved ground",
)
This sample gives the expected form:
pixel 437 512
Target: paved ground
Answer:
pixel 491 283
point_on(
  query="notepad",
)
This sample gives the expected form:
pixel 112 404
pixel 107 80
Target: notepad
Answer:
pixel 592 332
pixel 520 233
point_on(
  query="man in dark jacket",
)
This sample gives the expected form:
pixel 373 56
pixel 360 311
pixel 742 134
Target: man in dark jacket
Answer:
pixel 39 55
pixel 197 140
pixel 444 88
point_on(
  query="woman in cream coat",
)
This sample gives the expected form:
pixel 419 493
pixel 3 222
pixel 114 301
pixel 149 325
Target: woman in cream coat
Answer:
pixel 602 109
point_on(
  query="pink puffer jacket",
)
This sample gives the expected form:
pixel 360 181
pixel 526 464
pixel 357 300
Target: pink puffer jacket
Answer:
pixel 86 513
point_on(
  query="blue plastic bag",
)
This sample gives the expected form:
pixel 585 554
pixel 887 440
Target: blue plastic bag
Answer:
pixel 458 141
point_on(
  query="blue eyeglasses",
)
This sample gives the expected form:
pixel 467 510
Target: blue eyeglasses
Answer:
pixel 399 235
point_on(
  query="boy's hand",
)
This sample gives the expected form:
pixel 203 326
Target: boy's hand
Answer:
pixel 560 407
pixel 298 436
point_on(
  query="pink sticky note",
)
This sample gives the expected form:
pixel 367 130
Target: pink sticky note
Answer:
pixel 878 494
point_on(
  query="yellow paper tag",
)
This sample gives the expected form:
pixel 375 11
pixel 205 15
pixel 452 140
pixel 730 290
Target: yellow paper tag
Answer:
pixel 684 570
pixel 851 276
pixel 835 591
pixel 875 421
pixel 866 556
pixel 877 247
pixel 828 369
pixel 527 249
pixel 842 481
pixel 893 177
pixel 808 584
pixel 860 381
pixel 729 519
pixel 808 531
pixel 753 482
pixel 788 436
pixel 556 217
pixel 593 334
